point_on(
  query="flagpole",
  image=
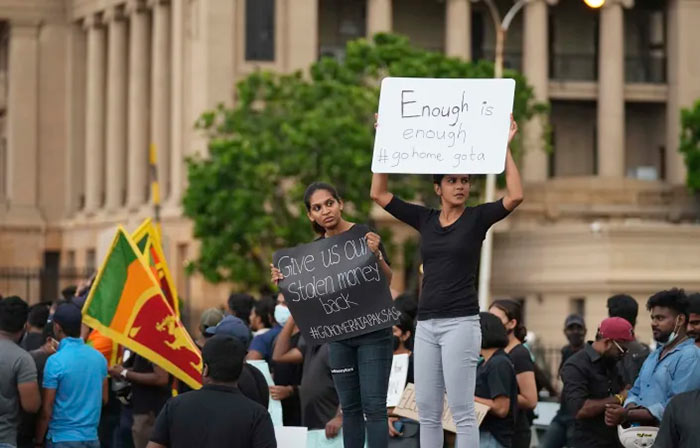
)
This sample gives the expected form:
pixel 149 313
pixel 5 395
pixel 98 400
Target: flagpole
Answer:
pixel 155 187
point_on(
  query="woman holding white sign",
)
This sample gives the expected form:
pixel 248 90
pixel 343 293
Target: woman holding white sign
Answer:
pixel 360 365
pixel 448 335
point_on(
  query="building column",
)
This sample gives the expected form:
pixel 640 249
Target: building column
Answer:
pixel 379 17
pixel 458 19
pixel 683 78
pixel 303 38
pixel 116 109
pixel 95 116
pixel 23 120
pixel 176 109
pixel 536 69
pixel 611 90
pixel 76 85
pixel 160 91
pixel 138 123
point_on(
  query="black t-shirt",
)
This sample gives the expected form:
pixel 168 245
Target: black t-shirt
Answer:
pixel 496 378
pixel 587 375
pixel 450 255
pixel 319 400
pixel 287 374
pixel 522 362
pixel 146 399
pixel 32 341
pixel 214 417
pixel 679 427
pixel 253 385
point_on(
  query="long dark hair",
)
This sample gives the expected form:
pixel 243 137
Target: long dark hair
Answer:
pixel 313 188
pixel 513 311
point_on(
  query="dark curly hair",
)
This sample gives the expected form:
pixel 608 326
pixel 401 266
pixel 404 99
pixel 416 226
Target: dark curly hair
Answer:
pixel 674 299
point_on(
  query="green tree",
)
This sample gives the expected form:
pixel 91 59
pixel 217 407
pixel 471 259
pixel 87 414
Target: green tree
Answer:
pixel 286 131
pixel 690 144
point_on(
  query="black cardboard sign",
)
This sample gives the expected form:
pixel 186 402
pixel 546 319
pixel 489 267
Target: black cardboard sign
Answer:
pixel 335 288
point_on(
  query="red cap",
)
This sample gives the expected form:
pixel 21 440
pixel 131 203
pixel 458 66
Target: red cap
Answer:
pixel 616 328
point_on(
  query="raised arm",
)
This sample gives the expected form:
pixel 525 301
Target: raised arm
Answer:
pixel 379 191
pixel 283 351
pixel 514 186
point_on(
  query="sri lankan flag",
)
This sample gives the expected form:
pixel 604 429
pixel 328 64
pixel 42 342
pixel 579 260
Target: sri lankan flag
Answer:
pixel 147 239
pixel 127 304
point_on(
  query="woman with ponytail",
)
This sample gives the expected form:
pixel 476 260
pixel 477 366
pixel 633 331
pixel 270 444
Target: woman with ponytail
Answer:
pixel 511 314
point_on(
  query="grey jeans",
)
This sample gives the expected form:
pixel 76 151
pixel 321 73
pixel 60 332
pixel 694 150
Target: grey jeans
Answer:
pixel 446 355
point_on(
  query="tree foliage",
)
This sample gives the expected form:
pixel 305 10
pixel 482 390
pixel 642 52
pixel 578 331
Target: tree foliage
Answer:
pixel 690 144
pixel 288 130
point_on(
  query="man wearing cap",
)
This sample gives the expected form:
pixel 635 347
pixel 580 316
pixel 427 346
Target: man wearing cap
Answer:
pixel 75 387
pixel 252 382
pixel 561 428
pixel 592 381
pixel 210 318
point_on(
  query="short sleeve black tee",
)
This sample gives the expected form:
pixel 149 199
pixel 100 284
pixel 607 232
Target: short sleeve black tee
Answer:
pixel 450 255
pixel 214 417
pixel 146 399
pixel 319 400
pixel 496 378
pixel 522 362
pixel 253 385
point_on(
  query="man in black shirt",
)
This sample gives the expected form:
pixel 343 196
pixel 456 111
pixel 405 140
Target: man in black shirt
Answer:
pixel 561 428
pixel 679 427
pixel 218 415
pixel 592 380
pixel 624 306
pixel 320 405
pixel 150 389
pixel 34 338
pixel 251 382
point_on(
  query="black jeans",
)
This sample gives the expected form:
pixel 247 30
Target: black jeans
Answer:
pixel 361 368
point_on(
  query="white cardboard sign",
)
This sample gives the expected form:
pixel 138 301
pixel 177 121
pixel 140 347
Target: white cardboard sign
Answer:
pixel 443 126
pixel 397 379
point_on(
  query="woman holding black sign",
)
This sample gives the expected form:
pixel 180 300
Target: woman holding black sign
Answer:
pixel 448 336
pixel 360 365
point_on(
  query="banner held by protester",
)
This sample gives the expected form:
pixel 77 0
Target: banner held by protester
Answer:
pixel 127 305
pixel 335 288
pixel 443 126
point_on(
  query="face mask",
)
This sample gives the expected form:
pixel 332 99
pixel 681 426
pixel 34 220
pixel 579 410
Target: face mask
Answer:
pixel 672 337
pixel 397 342
pixel 282 314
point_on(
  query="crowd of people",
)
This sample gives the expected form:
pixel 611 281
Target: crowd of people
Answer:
pixel 56 387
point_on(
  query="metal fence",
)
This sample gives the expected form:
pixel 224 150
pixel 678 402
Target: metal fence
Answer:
pixel 38 284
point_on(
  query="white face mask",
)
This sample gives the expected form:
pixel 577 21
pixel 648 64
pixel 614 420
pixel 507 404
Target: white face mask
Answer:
pixel 282 314
pixel 672 337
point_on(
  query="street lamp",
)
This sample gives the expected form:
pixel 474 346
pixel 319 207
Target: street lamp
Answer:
pixel 501 27
pixel 594 3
